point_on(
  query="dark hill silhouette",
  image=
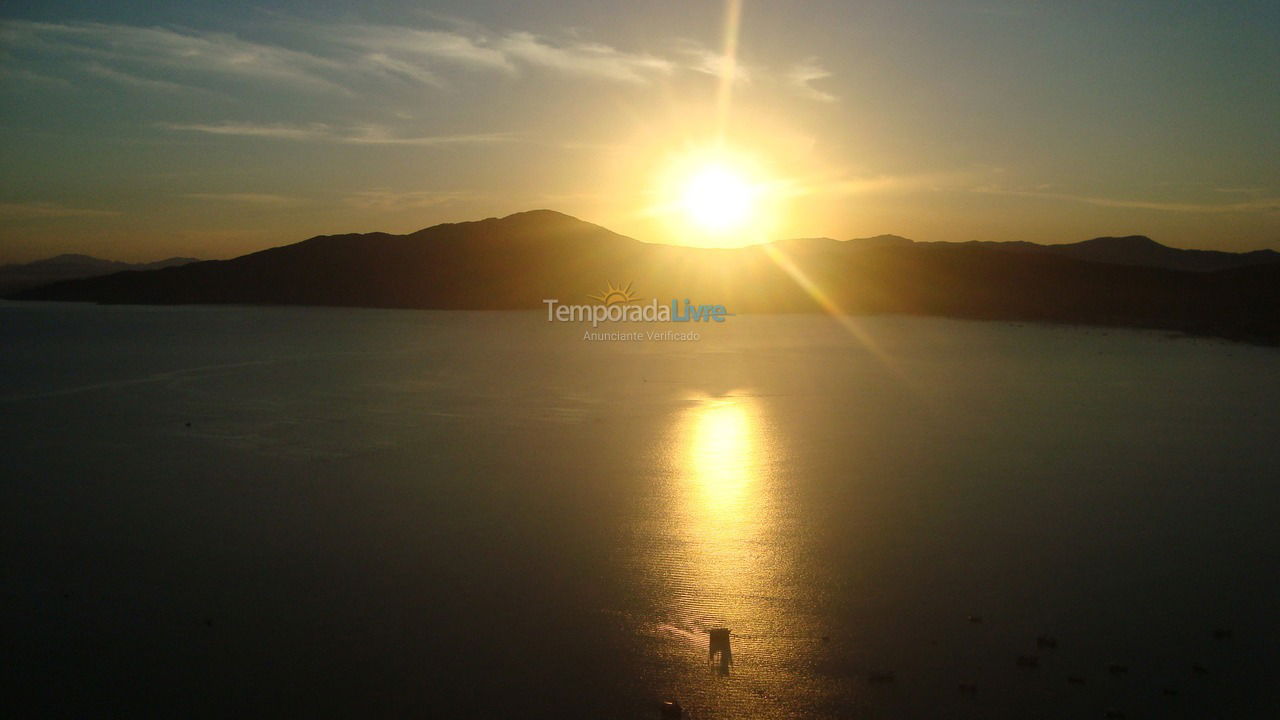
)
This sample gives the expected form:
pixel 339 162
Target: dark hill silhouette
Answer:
pixel 517 261
pixel 69 267
pixel 1142 251
pixel 881 241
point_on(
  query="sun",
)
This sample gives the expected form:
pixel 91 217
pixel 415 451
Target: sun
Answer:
pixel 716 198
pixel 713 194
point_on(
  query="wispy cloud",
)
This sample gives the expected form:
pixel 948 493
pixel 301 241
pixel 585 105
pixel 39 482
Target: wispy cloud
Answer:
pixel 703 60
pixel 348 54
pixel 802 76
pixel 849 185
pixel 151 51
pixel 351 58
pixel 1259 204
pixel 391 200
pixel 320 132
pixel 49 210
pixel 314 131
pixel 377 135
pixel 413 47
pixel 123 78
pixel 584 59
pixel 263 199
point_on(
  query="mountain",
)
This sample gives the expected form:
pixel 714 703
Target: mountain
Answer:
pixel 881 241
pixel 1142 251
pixel 1136 250
pixel 69 267
pixel 517 261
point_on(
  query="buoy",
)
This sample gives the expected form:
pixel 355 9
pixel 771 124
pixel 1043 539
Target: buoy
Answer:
pixel 671 710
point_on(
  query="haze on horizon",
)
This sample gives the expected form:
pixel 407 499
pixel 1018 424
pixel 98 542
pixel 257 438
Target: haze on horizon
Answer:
pixel 146 131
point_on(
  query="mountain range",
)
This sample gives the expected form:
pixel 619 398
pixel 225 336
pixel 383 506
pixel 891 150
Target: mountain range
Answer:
pixel 517 261
pixel 1141 251
pixel 70 267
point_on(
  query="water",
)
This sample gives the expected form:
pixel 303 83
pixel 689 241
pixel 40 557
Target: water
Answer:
pixel 399 513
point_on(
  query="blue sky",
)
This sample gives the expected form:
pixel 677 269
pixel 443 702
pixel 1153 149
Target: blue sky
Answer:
pixel 144 130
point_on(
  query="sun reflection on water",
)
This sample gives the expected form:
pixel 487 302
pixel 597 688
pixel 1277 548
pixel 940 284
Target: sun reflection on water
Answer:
pixel 722 526
pixel 722 456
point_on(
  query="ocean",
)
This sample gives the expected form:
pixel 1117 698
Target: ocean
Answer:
pixel 329 512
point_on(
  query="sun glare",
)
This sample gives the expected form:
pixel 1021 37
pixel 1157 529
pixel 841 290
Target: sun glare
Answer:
pixel 716 198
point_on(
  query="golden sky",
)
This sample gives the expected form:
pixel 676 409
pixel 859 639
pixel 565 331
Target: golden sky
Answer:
pixel 210 130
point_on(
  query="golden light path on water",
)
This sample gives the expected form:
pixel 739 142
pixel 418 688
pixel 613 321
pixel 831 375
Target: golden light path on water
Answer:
pixel 723 558
pixel 720 485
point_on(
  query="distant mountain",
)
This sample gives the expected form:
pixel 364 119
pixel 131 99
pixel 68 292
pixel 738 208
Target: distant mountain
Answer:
pixel 881 241
pixel 517 261
pixel 69 267
pixel 1136 250
pixel 1142 251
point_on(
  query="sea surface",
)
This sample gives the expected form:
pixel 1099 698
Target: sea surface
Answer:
pixel 315 512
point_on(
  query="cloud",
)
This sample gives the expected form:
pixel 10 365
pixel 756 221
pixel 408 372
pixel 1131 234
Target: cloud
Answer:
pixel 358 60
pixel 1261 204
pixel 389 200
pixel 320 132
pixel 421 45
pixel 154 50
pixel 350 54
pixel 1241 190
pixel 265 199
pixel 889 184
pixel 585 59
pixel 802 76
pixel 377 135
pixel 49 210
pixel 314 131
pixel 709 62
pixel 400 69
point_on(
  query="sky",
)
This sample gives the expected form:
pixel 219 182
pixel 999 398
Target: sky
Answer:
pixel 143 130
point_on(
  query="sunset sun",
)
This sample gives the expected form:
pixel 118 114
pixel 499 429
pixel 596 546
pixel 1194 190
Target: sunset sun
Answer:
pixel 715 194
pixel 717 198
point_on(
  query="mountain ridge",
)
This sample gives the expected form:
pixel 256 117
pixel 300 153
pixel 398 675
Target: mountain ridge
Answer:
pixel 1140 250
pixel 70 266
pixel 517 261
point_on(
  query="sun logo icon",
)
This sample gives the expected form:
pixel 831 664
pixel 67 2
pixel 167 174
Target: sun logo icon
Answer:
pixel 615 294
